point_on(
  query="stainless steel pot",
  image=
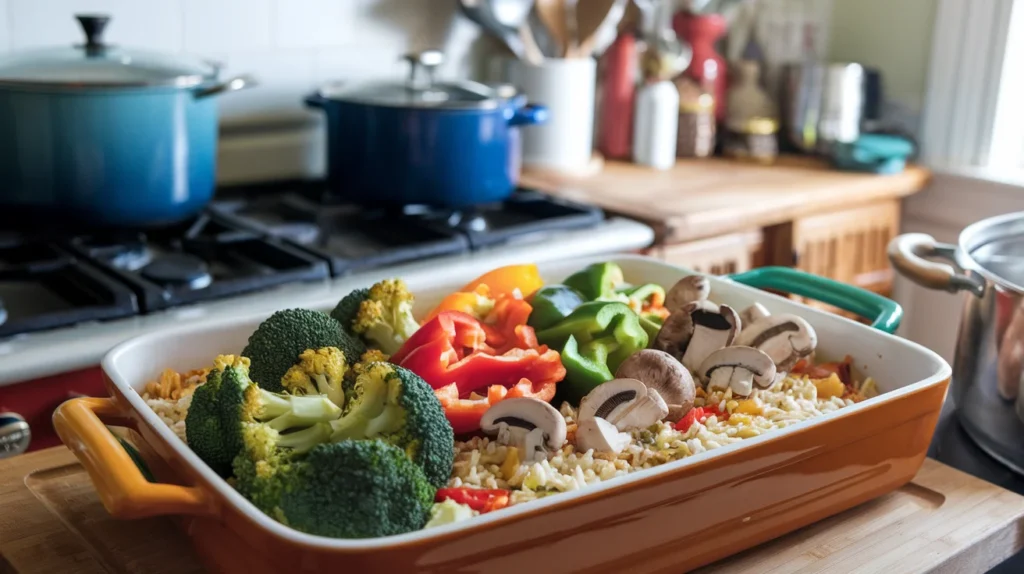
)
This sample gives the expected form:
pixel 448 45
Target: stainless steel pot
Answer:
pixel 987 385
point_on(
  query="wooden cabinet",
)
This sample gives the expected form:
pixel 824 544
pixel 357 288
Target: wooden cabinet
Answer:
pixel 847 245
pixel 721 255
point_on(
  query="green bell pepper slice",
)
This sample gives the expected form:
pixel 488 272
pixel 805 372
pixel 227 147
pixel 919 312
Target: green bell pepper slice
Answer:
pixel 613 323
pixel 586 367
pixel 551 304
pixel 651 324
pixel 597 281
pixel 648 292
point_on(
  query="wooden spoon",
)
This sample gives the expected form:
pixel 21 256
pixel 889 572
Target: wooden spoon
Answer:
pixel 552 15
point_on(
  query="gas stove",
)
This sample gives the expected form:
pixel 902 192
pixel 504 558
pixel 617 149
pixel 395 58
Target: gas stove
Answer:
pixel 251 238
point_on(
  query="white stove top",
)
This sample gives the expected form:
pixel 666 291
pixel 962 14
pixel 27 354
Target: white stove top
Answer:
pixel 35 355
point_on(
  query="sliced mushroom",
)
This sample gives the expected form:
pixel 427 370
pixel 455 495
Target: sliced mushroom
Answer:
pixel 785 338
pixel 752 314
pixel 697 330
pixel 661 372
pixel 687 290
pixel 626 403
pixel 738 368
pixel 530 424
pixel 601 436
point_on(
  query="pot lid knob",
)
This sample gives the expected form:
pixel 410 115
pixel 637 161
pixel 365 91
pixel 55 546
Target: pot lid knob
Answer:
pixel 429 60
pixel 93 26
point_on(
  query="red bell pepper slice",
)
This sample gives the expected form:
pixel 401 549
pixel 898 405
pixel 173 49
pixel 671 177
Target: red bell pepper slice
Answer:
pixel 451 348
pixel 482 500
pixel 463 333
pixel 842 369
pixel 464 414
pixel 506 326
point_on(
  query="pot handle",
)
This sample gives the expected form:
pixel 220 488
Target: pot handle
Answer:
pixel 230 85
pixel 885 314
pixel 122 487
pixel 315 100
pixel 909 254
pixel 528 115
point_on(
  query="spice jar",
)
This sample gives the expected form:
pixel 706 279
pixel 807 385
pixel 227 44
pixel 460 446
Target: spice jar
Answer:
pixel 754 139
pixel 696 130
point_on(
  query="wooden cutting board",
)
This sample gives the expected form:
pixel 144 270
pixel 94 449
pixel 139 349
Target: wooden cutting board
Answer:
pixel 708 197
pixel 944 521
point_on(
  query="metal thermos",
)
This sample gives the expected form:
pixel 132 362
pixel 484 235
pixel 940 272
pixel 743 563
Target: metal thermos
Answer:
pixel 822 104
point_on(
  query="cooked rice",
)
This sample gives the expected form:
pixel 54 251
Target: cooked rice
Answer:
pixel 484 463
pixel 481 462
pixel 170 396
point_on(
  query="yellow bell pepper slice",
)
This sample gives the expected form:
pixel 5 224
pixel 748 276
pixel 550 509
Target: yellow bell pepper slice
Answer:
pixel 504 280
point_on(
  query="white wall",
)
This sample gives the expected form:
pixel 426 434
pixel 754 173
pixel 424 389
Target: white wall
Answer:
pixel 891 35
pixel 290 45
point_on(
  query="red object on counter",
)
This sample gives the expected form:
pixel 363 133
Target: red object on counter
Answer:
pixel 701 32
pixel 36 400
pixel 618 89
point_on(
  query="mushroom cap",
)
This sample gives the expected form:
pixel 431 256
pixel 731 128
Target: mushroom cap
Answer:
pixel 786 338
pixel 601 436
pixel 752 314
pixel 687 290
pixel 745 363
pixel 607 398
pixel 526 413
pixel 662 372
pixel 626 403
pixel 697 330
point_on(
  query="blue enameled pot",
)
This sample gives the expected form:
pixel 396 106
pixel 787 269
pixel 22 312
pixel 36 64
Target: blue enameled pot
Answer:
pixel 435 143
pixel 104 136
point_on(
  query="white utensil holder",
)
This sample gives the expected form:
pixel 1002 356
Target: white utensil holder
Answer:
pixel 566 87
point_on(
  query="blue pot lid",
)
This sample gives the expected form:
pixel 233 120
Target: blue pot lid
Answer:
pixel 95 64
pixel 417 91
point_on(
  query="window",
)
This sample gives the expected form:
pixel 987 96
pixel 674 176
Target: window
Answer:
pixel 974 110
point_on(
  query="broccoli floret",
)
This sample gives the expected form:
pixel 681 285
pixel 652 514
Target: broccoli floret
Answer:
pixel 348 489
pixel 277 343
pixel 229 413
pixel 346 310
pixel 385 317
pixel 396 405
pixel 319 371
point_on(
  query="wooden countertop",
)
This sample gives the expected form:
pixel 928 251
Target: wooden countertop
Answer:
pixel 943 521
pixel 703 198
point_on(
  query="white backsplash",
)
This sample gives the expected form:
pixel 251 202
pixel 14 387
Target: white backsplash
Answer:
pixel 291 46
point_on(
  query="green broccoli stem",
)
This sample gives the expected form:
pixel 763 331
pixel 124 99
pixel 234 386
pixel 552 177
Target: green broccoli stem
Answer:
pixel 295 411
pixel 370 405
pixel 304 440
pixel 334 394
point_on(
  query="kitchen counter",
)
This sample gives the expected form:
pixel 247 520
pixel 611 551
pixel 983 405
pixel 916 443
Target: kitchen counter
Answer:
pixel 703 198
pixel 943 521
pixel 36 355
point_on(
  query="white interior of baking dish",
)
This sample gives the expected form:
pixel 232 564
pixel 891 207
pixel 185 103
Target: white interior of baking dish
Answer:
pixel 898 366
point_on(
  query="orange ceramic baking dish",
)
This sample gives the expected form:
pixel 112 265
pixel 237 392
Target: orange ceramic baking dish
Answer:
pixel 672 518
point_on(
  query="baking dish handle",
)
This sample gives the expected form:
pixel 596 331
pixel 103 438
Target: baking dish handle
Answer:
pixel 884 314
pixel 123 489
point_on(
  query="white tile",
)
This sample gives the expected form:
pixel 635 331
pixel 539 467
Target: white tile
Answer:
pixel 314 23
pixel 346 65
pixel 284 78
pixel 227 25
pixel 137 24
pixel 5 33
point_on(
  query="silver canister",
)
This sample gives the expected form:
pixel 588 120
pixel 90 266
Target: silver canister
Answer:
pixel 822 104
pixel 842 106
pixel 801 104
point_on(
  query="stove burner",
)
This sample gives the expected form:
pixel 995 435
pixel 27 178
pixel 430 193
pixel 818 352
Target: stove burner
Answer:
pixel 178 269
pixel 129 253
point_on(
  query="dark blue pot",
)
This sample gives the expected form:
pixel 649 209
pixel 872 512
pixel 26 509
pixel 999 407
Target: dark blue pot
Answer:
pixel 423 155
pixel 100 135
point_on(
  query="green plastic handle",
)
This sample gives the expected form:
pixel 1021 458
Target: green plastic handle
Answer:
pixel 884 313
